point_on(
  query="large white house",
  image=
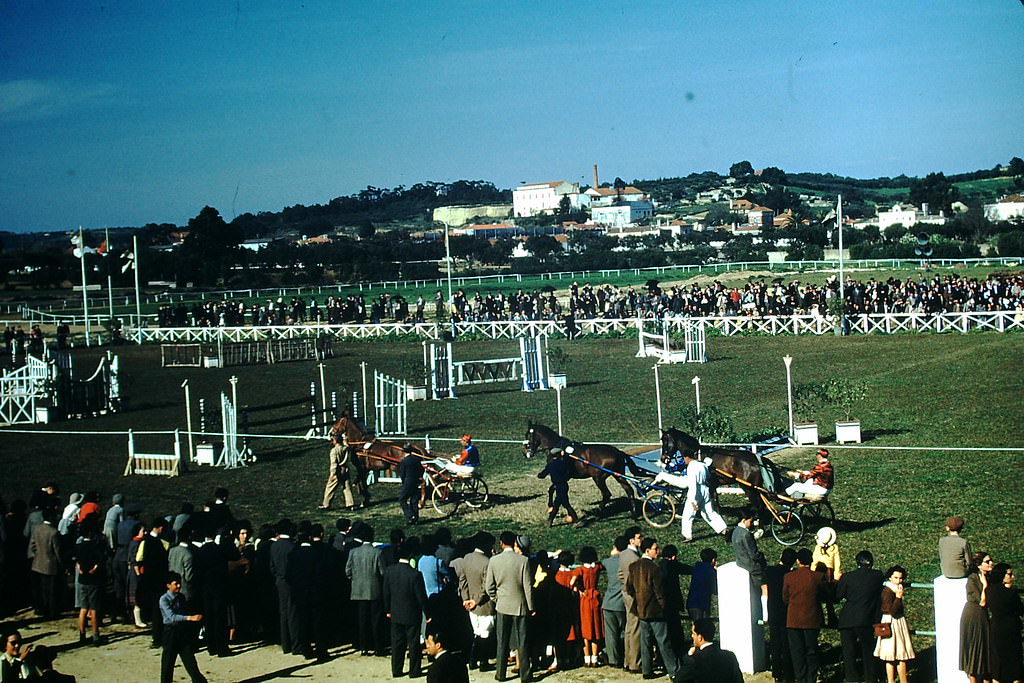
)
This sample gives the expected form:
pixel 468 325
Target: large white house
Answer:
pixel 1009 208
pixel 537 198
pixel 621 214
pixel 908 217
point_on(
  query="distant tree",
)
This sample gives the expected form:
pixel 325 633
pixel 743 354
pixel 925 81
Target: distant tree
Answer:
pixel 564 206
pixel 894 233
pixel 741 169
pixel 773 176
pixel 1016 166
pixel 542 246
pixel 935 190
pixel 365 229
pixel 1010 243
pixel 619 186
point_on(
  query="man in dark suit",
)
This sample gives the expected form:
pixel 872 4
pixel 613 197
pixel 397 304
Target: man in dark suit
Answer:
pixel 410 471
pixel 365 570
pixel 778 638
pixel 448 667
pixel 803 592
pixel 510 586
pixel 646 586
pixel 706 662
pixel 280 554
pixel 405 603
pixel 862 590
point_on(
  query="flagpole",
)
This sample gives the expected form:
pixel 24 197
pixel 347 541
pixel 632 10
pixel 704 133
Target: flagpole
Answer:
pixel 85 292
pixel 138 301
pixel 842 280
pixel 110 286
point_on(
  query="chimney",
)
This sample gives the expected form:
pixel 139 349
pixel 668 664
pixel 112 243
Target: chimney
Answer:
pixel 595 175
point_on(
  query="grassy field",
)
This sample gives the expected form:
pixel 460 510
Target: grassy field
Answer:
pixel 925 391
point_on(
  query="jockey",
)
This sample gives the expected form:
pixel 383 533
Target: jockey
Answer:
pixel 816 482
pixel 470 456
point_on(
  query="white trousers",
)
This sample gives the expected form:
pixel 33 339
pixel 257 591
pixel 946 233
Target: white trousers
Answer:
pixel 709 514
pixel 483 626
pixel 807 488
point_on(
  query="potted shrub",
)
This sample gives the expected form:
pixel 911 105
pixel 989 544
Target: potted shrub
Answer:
pixel 844 394
pixel 807 400
pixel 558 359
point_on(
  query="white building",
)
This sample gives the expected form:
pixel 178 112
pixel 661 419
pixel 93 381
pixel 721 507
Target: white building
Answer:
pixel 536 198
pixel 1006 209
pixel 908 217
pixel 621 214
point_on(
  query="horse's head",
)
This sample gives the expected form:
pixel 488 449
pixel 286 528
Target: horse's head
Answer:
pixel 531 443
pixel 675 443
pixel 668 448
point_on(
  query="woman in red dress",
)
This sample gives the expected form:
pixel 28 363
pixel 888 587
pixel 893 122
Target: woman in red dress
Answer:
pixel 591 619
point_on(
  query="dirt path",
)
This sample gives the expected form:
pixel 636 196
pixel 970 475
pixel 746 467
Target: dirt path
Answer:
pixel 126 657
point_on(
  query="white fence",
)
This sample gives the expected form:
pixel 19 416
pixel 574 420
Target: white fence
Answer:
pixel 390 400
pixel 20 389
pixel 873 323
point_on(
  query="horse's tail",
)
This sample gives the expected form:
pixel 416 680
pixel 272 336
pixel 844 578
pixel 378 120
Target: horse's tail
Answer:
pixel 633 468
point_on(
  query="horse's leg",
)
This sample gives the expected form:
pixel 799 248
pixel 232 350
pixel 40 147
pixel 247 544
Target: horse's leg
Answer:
pixel 599 481
pixel 630 495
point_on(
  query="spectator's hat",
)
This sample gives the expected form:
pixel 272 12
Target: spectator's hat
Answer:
pixel 826 536
pixel 524 543
pixel 77 498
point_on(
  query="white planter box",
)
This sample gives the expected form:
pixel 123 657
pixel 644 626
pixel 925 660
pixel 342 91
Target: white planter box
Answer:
pixel 204 454
pixel 42 415
pixel 848 431
pixel 806 434
pixel 557 379
pixel 416 392
pixel 211 362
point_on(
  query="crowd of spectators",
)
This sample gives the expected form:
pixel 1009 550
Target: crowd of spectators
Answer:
pixel 923 294
pixel 202 579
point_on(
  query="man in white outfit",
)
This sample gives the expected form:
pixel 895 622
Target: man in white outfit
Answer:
pixel 698 499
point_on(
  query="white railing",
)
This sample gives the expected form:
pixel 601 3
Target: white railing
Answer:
pixel 874 323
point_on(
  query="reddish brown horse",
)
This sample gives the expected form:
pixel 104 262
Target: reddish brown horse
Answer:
pixel 589 461
pixel 373 453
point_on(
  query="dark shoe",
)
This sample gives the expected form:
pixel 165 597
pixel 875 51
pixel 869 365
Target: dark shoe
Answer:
pixel 81 636
pixel 97 640
pixel 651 677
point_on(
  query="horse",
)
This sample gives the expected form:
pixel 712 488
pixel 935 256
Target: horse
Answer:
pixel 373 453
pixel 739 465
pixel 588 461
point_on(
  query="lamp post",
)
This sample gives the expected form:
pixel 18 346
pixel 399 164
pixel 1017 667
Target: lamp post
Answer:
pixel 657 395
pixel 789 391
pixel 696 389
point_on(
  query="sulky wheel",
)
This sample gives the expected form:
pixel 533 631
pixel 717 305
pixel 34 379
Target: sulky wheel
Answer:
pixel 474 492
pixel 659 509
pixel 445 499
pixel 787 527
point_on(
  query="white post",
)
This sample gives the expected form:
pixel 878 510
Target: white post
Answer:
pixel 323 397
pixel 234 392
pixel 110 285
pixel 696 389
pixel 85 290
pixel 188 420
pixel 362 367
pixel 950 596
pixel 138 300
pixel 558 400
pixel 788 360
pixel 657 395
pixel 740 619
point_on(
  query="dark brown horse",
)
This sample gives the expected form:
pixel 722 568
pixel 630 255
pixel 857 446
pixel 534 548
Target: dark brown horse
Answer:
pixel 739 466
pixel 588 461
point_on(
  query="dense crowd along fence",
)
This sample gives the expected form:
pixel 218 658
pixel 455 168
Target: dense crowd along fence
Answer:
pixel 867 323
pixel 65 310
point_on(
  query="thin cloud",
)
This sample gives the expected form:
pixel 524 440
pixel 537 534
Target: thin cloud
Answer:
pixel 33 99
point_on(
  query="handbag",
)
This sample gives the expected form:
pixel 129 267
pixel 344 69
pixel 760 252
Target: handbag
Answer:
pixel 883 630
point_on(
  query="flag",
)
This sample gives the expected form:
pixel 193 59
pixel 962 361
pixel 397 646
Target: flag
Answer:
pixel 830 216
pixel 129 261
pixel 102 250
pixel 80 250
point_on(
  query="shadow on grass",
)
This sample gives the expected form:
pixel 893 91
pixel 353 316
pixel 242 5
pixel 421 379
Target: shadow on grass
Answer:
pixel 842 525
pixel 304 401
pixel 872 434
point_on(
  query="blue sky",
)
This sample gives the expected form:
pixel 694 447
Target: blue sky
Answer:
pixel 133 111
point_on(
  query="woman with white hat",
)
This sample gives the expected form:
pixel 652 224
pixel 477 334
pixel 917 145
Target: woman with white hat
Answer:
pixel 825 557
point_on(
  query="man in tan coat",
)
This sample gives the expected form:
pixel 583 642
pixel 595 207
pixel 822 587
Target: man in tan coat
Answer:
pixel 631 633
pixel 338 474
